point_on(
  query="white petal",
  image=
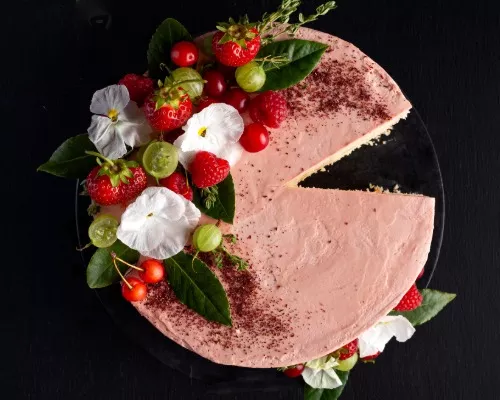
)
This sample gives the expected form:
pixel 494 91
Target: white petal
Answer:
pixel 111 97
pixel 158 223
pixel 133 127
pixel 375 338
pixel 321 378
pixel 223 122
pixel 108 141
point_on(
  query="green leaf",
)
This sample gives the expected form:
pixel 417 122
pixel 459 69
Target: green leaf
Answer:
pixel 434 301
pixel 326 394
pixel 101 272
pixel 196 286
pixel 168 33
pixel 302 55
pixel 224 205
pixel 70 160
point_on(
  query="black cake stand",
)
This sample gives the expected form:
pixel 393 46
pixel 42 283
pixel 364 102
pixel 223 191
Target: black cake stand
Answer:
pixel 406 158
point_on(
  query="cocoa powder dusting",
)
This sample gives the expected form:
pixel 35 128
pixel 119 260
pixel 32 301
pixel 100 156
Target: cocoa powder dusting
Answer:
pixel 336 87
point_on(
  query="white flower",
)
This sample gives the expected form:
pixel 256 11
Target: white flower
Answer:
pixel 119 122
pixel 375 338
pixel 158 223
pixel 216 129
pixel 320 374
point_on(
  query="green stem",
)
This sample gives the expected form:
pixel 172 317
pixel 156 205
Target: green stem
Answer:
pixel 119 272
pixel 126 263
pixel 98 155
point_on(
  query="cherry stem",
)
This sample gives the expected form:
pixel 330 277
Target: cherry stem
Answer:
pixel 126 263
pixel 93 153
pixel 119 272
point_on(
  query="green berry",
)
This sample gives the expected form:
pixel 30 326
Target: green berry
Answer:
pixel 160 159
pixel 207 238
pixel 250 77
pixel 348 364
pixel 102 231
pixel 193 89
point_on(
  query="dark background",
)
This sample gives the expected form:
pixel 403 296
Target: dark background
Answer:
pixel 58 342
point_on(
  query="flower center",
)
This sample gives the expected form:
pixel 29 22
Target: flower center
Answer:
pixel 149 215
pixel 113 114
pixel 202 131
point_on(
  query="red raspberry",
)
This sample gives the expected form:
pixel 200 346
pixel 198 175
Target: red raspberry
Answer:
pixel 411 300
pixel 269 108
pixel 208 170
pixel 371 358
pixel 139 87
pixel 177 183
pixel 348 350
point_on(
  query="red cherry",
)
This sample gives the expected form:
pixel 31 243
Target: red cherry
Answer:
pixel 138 291
pixel 228 72
pixel 255 138
pixel 237 98
pixel 216 84
pixel 153 271
pixel 205 101
pixel 295 371
pixel 184 54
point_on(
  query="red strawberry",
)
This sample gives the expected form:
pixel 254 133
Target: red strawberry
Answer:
pixel 115 182
pixel 371 358
pixel 208 170
pixel 139 87
pixel 411 300
pixel 168 109
pixel 269 108
pixel 348 350
pixel 205 101
pixel 177 183
pixel 237 45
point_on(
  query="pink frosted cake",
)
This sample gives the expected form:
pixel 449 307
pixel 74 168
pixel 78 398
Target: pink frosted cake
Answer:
pixel 206 224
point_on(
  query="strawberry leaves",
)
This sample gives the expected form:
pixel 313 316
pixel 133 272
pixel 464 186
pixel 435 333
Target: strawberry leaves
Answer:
pixel 70 159
pixel 168 33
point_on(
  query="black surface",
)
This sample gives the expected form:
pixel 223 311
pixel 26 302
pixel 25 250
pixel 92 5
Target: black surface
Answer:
pixel 59 342
pixel 405 158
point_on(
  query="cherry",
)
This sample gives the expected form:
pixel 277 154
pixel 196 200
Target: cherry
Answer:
pixel 228 72
pixel 184 54
pixel 295 371
pixel 153 271
pixel 205 101
pixel 237 98
pixel 216 83
pixel 255 138
pixel 138 291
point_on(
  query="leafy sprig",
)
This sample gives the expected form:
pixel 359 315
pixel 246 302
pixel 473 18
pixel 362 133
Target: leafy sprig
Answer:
pixel 209 196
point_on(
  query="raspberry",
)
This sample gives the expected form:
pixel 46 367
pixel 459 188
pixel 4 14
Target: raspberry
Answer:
pixel 139 87
pixel 208 170
pixel 348 350
pixel 269 108
pixel 177 183
pixel 411 300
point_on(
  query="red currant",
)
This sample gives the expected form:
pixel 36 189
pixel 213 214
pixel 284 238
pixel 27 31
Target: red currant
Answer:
pixel 184 54
pixel 237 98
pixel 255 138
pixel 295 371
pixel 138 291
pixel 153 271
pixel 216 84
pixel 205 101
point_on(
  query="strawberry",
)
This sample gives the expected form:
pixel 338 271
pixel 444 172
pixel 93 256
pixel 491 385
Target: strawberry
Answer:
pixel 177 183
pixel 236 44
pixel 371 358
pixel 411 300
pixel 139 87
pixel 269 108
pixel 168 108
pixel 115 181
pixel 208 170
pixel 348 350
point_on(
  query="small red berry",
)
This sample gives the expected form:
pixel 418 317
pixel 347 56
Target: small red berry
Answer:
pixel 295 371
pixel 177 183
pixel 421 274
pixel 138 292
pixel 139 87
pixel 255 138
pixel 184 54
pixel 216 83
pixel 371 358
pixel 411 300
pixel 205 101
pixel 269 108
pixel 153 271
pixel 231 53
pixel 237 98
pixel 208 170
pixel 228 72
pixel 348 350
